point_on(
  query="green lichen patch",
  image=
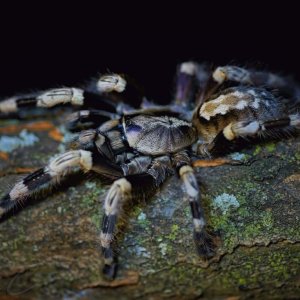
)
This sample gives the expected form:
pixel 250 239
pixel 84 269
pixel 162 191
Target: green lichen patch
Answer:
pixel 262 204
pixel 225 203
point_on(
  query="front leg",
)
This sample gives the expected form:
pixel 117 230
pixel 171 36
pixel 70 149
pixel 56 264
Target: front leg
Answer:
pixel 44 99
pixel 54 97
pixel 111 93
pixel 118 195
pixel 203 240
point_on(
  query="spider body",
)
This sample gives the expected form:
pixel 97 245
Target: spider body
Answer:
pixel 139 148
pixel 141 133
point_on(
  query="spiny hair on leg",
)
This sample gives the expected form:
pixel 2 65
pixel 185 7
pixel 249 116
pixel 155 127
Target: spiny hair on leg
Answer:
pixel 204 243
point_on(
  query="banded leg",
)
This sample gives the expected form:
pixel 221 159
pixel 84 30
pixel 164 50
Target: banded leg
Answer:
pixel 262 128
pixel 100 94
pixel 270 128
pixel 181 161
pixel 46 99
pixel 192 80
pixel 54 97
pixel 121 88
pixel 203 241
pixel 256 78
pixel 121 192
pixel 43 178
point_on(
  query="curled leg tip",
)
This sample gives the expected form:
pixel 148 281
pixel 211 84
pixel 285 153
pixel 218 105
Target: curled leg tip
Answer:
pixel 110 271
pixel 204 244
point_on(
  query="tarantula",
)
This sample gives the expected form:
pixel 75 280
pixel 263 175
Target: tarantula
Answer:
pixel 138 147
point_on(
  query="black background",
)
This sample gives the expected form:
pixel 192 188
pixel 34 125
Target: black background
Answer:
pixel 49 46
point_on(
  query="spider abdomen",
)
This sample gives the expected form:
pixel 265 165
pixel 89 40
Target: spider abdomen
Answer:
pixel 156 135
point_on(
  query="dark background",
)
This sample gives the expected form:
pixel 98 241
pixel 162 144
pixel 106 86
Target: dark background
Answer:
pixel 49 46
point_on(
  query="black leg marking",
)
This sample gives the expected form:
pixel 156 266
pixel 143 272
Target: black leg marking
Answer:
pixel 109 224
pixel 110 271
pixel 273 124
pixel 203 241
pixel 45 177
pixel 118 195
pixel 195 209
pixel 37 179
pixel 46 99
pixel 26 102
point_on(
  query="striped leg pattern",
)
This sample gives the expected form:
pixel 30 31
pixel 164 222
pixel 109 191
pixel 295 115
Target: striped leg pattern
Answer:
pixel 191 83
pixel 45 177
pixel 266 128
pixel 100 94
pixel 271 128
pixel 203 241
pixel 119 193
pixel 257 78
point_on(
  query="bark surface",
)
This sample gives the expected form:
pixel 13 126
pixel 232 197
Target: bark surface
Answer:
pixel 50 248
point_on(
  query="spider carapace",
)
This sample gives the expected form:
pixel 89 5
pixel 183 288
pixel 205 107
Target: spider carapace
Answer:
pixel 139 146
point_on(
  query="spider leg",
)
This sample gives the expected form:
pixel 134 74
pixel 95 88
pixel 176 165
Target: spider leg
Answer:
pixel 43 178
pixel 122 191
pixel 256 78
pixel 58 168
pixel 203 240
pixel 45 99
pixel 261 128
pixel 110 93
pixel 191 83
pixel 53 97
pixel 120 88
pixel 244 129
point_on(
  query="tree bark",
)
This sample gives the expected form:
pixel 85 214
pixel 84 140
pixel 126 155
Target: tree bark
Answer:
pixel 50 248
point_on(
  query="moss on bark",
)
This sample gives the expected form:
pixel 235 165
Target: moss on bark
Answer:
pixel 50 248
